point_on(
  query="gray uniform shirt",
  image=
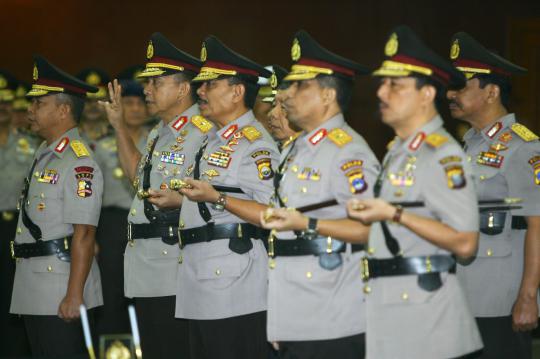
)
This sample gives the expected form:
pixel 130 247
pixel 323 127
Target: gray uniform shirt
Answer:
pixel 65 189
pixel 214 282
pixel 505 165
pixel 118 190
pixel 305 301
pixel 150 264
pixel 15 158
pixel 404 320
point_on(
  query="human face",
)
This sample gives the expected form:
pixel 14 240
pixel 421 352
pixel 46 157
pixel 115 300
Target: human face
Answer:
pixel 6 112
pixel 278 123
pixel 217 99
pixel 469 101
pixel 44 115
pixel 161 94
pixel 399 99
pixel 135 112
pixel 93 111
pixel 303 102
pixel 261 111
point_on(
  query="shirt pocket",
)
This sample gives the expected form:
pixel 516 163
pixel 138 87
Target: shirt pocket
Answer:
pixel 220 268
pixel 405 290
pixel 50 265
pixel 307 273
pixel 161 252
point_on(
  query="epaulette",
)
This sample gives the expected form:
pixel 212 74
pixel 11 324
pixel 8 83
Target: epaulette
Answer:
pixel 290 140
pixel 435 140
pixel 251 133
pixel 79 148
pixel 523 132
pixel 339 137
pixel 201 123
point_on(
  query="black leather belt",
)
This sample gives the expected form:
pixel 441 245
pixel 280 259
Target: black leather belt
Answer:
pixel 519 222
pixel 492 223
pixel 167 233
pixel 373 268
pixel 316 247
pixel 237 233
pixel 60 247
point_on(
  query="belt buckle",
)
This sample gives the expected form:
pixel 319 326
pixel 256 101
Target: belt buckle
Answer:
pixel 179 238
pixel 364 264
pixel 12 249
pixel 171 232
pixel 129 234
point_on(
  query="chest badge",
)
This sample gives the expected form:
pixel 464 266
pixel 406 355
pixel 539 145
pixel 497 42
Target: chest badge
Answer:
pixel 490 159
pixel 219 159
pixel 172 157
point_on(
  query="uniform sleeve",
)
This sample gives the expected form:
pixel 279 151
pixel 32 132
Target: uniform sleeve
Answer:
pixel 523 178
pixel 83 190
pixel 257 171
pixel 355 173
pixel 448 189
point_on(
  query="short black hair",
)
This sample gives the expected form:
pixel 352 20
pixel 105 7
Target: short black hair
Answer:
pixel 187 76
pixel 251 90
pixel 342 86
pixel 505 87
pixel 440 96
pixel 75 103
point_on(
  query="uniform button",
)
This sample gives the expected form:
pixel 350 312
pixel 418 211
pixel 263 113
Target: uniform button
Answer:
pixel 166 172
pixel 303 189
pixel 156 153
pixel 205 157
pixel 18 260
pixel 367 289
pixel 371 250
pixel 309 275
pixel 272 263
pixel 133 212
pixel 482 177
pixel 285 199
pixel 218 271
pixel 294 168
pixel 49 269
pixel 405 296
pixel 398 193
pixel 469 158
pixel 42 195
pixel 19 230
pixel 164 252
pixel 489 252
pixel 36 174
pixel 181 224
pixel 131 243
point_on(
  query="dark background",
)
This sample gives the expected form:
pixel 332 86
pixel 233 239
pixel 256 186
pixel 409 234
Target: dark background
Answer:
pixel 114 34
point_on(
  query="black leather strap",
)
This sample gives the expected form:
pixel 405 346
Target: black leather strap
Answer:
pixel 373 268
pixel 212 232
pixel 279 175
pixel 316 247
pixel 33 228
pixel 59 247
pixel 519 222
pixel 167 233
pixel 149 210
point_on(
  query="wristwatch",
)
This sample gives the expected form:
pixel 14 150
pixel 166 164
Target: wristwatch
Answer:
pixel 220 203
pixel 311 231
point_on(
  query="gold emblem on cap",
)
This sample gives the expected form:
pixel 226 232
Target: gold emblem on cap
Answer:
pixel 273 81
pixel 391 45
pixel 296 51
pixel 93 78
pixel 150 50
pixel 3 82
pixel 35 74
pixel 454 50
pixel 203 52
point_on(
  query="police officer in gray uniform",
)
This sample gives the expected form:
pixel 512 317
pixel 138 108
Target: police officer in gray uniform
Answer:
pixel 416 307
pixel 222 275
pixel 59 210
pixel 313 268
pixel 152 253
pixel 16 153
pixel 501 283
pixel 118 194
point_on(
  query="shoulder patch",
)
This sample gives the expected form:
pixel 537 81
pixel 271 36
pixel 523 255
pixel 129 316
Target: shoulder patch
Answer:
pixel 62 145
pixel 290 140
pixel 523 132
pixel 339 137
pixel 436 140
pixel 201 123
pixel 251 133
pixel 79 148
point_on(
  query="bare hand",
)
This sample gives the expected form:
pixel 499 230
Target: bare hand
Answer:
pixel 368 211
pixel 200 191
pixel 69 308
pixel 114 109
pixel 524 314
pixel 283 219
pixel 165 198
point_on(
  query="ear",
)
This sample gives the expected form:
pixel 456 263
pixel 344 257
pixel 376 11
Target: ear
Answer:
pixel 239 91
pixel 493 93
pixel 329 95
pixel 64 110
pixel 428 94
pixel 184 89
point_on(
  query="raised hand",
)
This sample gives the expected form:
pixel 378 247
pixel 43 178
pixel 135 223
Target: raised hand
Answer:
pixel 114 109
